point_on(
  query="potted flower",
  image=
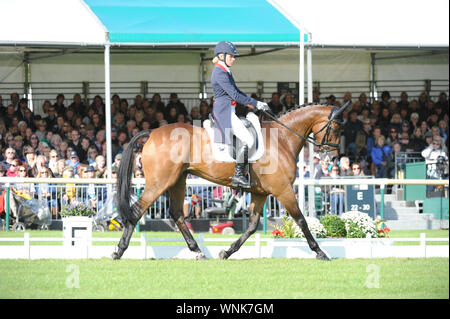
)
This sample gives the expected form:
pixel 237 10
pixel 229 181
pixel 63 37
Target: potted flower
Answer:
pixel 77 223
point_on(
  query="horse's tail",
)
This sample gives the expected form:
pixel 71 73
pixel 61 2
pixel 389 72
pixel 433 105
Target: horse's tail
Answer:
pixel 124 177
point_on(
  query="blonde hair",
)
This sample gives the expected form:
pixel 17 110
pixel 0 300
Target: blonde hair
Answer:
pixel 216 58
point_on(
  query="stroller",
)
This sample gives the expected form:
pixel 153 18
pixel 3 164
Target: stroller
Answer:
pixel 107 218
pixel 30 212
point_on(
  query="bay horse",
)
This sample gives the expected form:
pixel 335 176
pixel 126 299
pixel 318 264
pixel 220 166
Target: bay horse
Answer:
pixel 167 161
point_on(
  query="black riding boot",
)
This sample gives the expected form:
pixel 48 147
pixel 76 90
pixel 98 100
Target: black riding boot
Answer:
pixel 240 175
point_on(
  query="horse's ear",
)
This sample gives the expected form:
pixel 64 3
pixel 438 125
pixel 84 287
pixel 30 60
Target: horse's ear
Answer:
pixel 337 112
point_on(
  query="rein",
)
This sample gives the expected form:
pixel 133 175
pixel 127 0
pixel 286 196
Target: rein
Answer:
pixel 331 117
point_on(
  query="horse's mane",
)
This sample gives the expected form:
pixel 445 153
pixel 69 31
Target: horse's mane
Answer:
pixel 297 107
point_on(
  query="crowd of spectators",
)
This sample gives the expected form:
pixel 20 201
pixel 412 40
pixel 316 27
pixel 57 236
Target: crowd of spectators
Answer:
pixel 71 137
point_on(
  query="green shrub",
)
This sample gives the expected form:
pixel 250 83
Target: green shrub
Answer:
pixel 334 225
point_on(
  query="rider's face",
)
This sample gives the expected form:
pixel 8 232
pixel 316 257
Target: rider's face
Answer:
pixel 230 59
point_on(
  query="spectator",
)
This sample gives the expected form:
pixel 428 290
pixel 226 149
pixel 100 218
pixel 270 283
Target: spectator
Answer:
pixel 393 136
pixel 384 120
pixel 60 166
pixel 100 166
pixel 380 153
pixel 205 110
pixel 156 102
pixel 362 138
pixel 78 106
pixel 403 100
pixel 45 191
pixel 417 142
pixel 75 143
pixel 344 166
pixel 391 159
pixel 405 144
pixel 356 170
pixel 433 154
pixel 351 129
pixel 13 170
pixel 275 104
pixel 69 195
pixel 53 160
pixel 10 155
pixel 385 99
pixel 59 105
pixel 92 154
pixel 172 115
pixel 337 194
pixel 287 101
pixel 74 162
pixel 443 130
pixel 41 161
pixel 174 101
pixel 98 105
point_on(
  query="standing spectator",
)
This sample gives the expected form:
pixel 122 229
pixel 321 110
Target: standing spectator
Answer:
pixel 174 101
pixel 403 100
pixel 380 153
pixel 78 106
pixel 59 105
pixel 337 194
pixel 385 99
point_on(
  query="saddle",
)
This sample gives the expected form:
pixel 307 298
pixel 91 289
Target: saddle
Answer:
pixel 227 153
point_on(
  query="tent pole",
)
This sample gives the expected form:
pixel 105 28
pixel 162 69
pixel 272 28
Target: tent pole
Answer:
pixel 108 111
pixel 301 100
pixel 311 206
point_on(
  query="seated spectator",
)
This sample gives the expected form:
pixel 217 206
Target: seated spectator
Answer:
pixel 287 101
pixel 100 166
pixel 275 104
pixel 70 191
pixel 404 143
pixel 362 138
pixel 60 165
pixel 393 136
pixel 351 129
pixel 344 166
pixel 13 170
pixel 357 170
pixel 174 101
pixel 53 160
pixel 10 155
pixel 380 153
pixel 417 141
pixel 384 120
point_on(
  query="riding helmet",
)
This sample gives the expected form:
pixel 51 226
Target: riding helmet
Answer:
pixel 225 47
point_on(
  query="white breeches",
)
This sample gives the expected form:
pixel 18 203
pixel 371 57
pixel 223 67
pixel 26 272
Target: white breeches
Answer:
pixel 240 131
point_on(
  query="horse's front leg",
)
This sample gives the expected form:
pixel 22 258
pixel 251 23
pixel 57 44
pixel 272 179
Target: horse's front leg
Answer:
pixel 290 203
pixel 255 212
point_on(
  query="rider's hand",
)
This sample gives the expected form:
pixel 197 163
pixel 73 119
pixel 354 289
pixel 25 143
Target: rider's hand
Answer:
pixel 262 106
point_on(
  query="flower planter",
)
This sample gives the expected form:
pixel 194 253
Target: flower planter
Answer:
pixel 77 230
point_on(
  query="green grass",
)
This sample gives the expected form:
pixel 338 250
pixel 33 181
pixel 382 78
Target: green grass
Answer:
pixel 251 278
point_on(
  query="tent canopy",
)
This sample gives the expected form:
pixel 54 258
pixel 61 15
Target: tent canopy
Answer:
pixel 174 22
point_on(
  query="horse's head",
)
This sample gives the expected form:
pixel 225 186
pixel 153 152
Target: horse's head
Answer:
pixel 327 130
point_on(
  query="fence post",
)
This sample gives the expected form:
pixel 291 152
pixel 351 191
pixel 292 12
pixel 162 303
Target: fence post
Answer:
pixel 258 244
pixel 423 244
pixel 265 218
pixel 138 194
pixel 26 242
pixel 7 208
pixel 382 200
pixel 144 245
pixel 201 242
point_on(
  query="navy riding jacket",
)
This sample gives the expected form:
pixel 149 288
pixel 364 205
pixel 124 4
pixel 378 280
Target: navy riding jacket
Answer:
pixel 226 94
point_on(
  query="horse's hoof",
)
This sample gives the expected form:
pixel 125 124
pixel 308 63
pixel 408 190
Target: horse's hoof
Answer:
pixel 115 256
pixel 200 256
pixel 322 256
pixel 223 255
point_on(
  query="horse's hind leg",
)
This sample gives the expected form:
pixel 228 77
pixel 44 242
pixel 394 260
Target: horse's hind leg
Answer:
pixel 138 209
pixel 256 208
pixel 177 193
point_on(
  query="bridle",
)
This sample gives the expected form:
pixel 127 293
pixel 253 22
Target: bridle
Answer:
pixel 334 117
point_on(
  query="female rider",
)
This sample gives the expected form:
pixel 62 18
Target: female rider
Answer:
pixel 226 95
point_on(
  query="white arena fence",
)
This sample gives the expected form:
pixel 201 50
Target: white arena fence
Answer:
pixel 258 248
pixel 208 191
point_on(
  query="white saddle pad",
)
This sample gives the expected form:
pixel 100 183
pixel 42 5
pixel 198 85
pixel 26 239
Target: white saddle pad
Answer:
pixel 222 152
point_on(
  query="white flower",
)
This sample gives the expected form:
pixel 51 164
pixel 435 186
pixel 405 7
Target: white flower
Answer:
pixel 362 220
pixel 315 227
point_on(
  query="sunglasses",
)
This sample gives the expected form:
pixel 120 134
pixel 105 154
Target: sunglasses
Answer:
pixel 355 168
pixel 22 170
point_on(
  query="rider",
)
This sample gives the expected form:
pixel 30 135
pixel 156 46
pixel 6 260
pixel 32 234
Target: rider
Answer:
pixel 226 95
